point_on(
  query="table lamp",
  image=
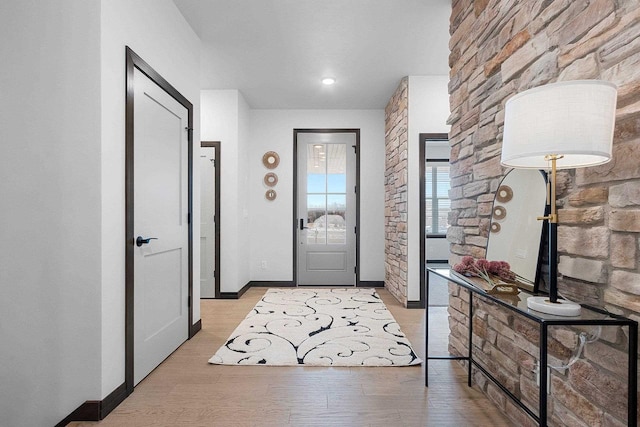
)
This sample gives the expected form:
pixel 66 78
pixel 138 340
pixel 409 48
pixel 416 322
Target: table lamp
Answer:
pixel 559 126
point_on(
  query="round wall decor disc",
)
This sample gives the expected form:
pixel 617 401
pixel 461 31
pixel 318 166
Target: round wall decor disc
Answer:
pixel 271 179
pixel 504 194
pixel 270 160
pixel 499 212
pixel 495 227
pixel 270 195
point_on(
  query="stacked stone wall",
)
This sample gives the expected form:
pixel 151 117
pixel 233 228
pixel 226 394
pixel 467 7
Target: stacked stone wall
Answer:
pixel 395 199
pixel 498 49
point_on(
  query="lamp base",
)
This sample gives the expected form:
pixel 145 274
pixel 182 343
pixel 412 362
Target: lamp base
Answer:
pixel 560 308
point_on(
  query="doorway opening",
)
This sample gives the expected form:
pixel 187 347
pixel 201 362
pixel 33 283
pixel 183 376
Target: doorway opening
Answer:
pixel 434 207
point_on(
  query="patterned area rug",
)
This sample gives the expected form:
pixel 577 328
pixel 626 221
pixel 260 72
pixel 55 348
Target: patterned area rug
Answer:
pixel 319 327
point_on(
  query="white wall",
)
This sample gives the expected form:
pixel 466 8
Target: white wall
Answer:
pixel 428 113
pixel 272 222
pixel 61 251
pixel 225 118
pixel 158 33
pixel 50 193
pixel 244 234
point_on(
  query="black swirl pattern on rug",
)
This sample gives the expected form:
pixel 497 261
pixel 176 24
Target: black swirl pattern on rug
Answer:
pixel 321 327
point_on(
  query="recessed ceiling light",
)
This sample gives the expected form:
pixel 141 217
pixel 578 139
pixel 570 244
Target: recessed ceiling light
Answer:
pixel 328 81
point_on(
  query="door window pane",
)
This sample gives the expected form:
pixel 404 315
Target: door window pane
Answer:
pixel 316 207
pixel 316 182
pixel 316 212
pixel 337 183
pixel 336 168
pixel 316 168
pixel 335 219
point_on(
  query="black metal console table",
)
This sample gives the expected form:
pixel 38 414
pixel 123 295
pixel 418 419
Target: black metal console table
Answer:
pixel 590 316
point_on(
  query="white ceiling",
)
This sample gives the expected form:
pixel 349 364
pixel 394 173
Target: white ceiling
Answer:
pixel 276 51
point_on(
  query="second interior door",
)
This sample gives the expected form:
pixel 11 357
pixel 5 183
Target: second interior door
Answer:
pixel 207 222
pixel 326 220
pixel 161 254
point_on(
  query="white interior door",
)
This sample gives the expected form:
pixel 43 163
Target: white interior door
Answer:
pixel 160 212
pixel 207 222
pixel 326 232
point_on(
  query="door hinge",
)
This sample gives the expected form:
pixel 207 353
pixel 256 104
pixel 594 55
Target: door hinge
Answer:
pixel 355 188
pixel 214 274
pixel 355 270
pixel 189 303
pixel 189 218
pixel 355 230
pixel 214 162
pixel 188 129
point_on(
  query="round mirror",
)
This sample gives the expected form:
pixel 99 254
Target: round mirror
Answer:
pixel 516 237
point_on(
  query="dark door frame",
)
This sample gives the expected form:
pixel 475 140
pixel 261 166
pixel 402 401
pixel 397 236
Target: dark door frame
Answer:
pixel 424 137
pixel 133 61
pixel 295 196
pixel 217 217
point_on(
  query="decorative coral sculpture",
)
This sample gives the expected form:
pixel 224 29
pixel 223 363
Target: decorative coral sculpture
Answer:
pixel 487 270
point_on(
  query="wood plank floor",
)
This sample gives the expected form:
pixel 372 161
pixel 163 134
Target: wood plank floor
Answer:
pixel 186 391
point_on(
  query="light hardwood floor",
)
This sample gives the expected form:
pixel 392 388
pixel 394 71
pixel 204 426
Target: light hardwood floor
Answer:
pixel 186 391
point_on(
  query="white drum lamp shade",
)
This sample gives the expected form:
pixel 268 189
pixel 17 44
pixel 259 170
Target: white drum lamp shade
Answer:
pixel 574 119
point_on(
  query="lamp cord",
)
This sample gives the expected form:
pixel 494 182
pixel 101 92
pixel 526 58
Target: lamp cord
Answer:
pixel 584 339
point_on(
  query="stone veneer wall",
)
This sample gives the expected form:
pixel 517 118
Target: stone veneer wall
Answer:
pixel 499 48
pixel 395 189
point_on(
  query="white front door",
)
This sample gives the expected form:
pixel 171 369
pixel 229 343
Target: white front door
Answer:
pixel 207 222
pixel 161 212
pixel 326 228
